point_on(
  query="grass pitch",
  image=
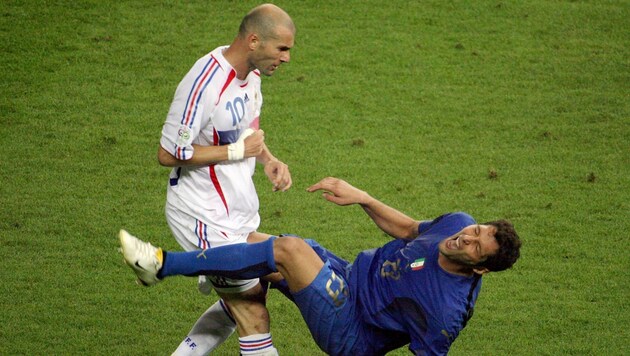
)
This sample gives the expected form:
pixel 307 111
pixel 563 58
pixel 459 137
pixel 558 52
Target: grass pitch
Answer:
pixel 501 109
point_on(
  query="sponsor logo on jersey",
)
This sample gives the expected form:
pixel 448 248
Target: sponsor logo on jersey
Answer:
pixel 417 264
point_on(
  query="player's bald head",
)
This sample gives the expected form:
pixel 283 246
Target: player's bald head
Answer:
pixel 264 20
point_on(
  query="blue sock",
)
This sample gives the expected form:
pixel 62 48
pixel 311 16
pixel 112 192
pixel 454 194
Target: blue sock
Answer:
pixel 239 261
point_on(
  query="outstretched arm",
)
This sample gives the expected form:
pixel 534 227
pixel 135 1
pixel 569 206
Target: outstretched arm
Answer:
pixel 388 219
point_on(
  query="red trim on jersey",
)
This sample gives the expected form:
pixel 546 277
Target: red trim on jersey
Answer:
pixel 230 77
pixel 195 98
pixel 256 123
pixel 215 137
pixel 217 187
pixel 215 58
pixel 213 174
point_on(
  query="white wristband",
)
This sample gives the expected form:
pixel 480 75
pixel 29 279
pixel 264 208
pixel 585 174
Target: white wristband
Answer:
pixel 236 151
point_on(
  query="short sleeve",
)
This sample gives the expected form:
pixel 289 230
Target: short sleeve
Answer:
pixel 187 113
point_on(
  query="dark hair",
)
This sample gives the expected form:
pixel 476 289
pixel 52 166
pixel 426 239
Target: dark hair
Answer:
pixel 509 247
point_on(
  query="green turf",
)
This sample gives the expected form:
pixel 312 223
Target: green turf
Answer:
pixel 516 109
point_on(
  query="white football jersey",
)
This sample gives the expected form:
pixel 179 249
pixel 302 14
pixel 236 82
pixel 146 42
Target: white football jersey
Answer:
pixel 213 107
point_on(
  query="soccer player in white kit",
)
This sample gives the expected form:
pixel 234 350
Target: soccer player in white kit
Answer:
pixel 212 140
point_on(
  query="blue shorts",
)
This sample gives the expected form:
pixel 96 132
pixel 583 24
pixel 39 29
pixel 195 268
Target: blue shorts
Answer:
pixel 327 306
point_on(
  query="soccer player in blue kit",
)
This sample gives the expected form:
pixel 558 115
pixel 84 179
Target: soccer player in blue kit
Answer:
pixel 419 289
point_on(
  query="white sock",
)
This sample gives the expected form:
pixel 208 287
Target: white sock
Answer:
pixel 213 327
pixel 258 344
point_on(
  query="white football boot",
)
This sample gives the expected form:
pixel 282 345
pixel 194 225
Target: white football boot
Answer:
pixel 144 258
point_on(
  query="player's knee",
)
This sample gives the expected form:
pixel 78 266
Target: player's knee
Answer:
pixel 288 248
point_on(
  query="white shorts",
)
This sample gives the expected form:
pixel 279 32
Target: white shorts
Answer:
pixel 193 234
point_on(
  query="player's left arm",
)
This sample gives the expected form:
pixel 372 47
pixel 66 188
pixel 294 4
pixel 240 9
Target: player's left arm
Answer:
pixel 276 170
pixel 393 222
pixel 390 220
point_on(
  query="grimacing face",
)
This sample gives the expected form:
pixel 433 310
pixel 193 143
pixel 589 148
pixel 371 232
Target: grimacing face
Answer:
pixel 272 52
pixel 470 246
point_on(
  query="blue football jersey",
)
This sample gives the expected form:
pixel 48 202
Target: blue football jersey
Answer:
pixel 404 296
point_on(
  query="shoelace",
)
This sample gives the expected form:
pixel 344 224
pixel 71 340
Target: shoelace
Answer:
pixel 147 249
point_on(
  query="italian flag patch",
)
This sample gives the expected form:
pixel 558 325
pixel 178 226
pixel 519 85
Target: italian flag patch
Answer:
pixel 417 264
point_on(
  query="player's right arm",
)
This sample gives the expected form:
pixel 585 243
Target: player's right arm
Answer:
pixel 190 113
pixel 205 155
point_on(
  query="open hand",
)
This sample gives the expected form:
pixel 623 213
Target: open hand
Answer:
pixel 339 191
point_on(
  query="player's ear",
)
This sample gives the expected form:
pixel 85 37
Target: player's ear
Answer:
pixel 253 41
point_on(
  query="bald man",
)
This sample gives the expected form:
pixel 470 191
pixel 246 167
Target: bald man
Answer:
pixel 212 140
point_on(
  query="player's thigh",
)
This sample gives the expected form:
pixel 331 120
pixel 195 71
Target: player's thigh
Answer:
pixel 328 309
pixel 297 262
